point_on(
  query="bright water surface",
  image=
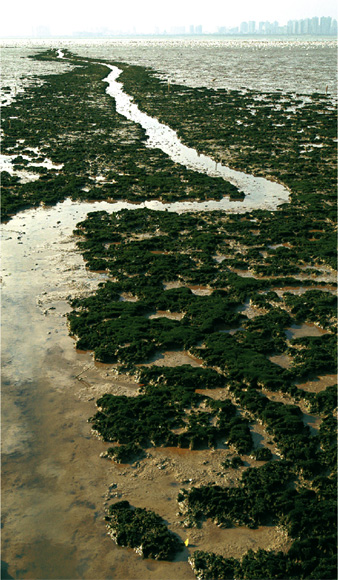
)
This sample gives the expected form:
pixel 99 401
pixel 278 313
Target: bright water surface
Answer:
pixel 293 65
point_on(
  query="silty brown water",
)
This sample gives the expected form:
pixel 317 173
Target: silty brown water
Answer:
pixel 53 479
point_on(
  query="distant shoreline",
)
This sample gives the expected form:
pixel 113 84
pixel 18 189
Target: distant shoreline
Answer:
pixel 192 37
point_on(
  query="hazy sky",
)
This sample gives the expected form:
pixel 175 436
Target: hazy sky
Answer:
pixel 19 17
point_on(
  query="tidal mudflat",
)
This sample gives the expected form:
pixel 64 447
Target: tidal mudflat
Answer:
pixel 179 319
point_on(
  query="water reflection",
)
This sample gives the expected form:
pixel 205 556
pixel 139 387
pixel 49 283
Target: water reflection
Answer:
pixel 54 478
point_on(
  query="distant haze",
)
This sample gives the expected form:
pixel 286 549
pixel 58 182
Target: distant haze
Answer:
pixel 65 17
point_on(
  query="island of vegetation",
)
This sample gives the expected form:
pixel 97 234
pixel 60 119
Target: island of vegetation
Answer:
pixel 263 275
pixel 142 530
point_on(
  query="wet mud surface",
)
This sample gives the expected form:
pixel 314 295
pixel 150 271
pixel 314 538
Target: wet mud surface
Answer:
pixel 55 481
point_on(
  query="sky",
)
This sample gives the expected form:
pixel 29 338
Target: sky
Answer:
pixel 63 17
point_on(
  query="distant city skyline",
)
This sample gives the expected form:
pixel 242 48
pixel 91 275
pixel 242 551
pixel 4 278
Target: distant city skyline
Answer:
pixel 321 26
pixel 66 17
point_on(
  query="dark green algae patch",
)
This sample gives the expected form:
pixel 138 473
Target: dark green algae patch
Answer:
pixel 142 530
pixel 145 252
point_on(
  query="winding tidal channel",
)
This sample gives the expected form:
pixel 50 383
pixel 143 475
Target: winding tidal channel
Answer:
pixel 259 192
pixel 54 478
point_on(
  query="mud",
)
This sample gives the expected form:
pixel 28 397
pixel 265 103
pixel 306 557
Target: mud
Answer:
pixel 298 331
pixel 56 483
pixel 54 479
pixel 281 360
pixel 319 384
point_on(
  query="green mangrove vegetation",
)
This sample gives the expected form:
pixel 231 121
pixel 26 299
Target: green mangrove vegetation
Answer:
pixel 227 290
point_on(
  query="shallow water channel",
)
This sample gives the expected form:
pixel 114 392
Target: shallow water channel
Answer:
pixel 259 192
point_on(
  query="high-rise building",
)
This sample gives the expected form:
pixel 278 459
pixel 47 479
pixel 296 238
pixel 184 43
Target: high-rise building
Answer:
pixel 314 25
pixel 198 29
pixel 307 26
pixel 274 27
pixel 267 27
pixel 325 25
pixel 244 28
pixel 252 27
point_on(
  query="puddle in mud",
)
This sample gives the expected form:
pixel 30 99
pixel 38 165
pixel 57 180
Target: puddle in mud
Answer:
pixel 244 273
pixel 278 396
pixel 281 360
pixel 201 290
pixel 171 285
pixel 298 331
pixel 232 331
pixel 126 297
pixel 167 314
pixel 312 422
pixel 231 543
pixel 173 358
pixel 248 310
pixel 319 384
pixel 325 276
pixel 6 164
pixel 262 439
pixel 299 290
